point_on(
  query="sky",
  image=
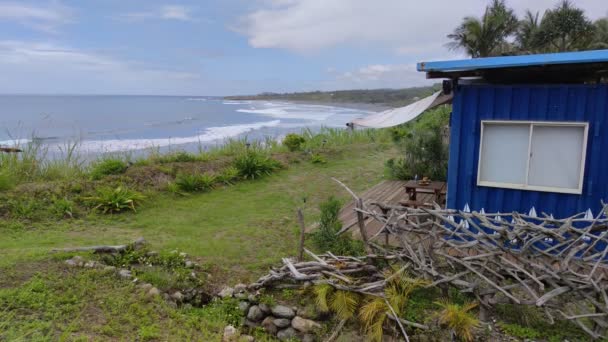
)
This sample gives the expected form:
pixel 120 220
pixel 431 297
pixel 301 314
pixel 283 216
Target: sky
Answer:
pixel 228 47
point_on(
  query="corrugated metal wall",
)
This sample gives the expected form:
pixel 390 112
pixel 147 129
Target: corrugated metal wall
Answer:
pixel 473 103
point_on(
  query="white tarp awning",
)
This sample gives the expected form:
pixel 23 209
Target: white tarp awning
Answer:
pixel 398 116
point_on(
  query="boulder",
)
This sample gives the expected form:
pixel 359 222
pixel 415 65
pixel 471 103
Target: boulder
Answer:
pixel 145 287
pixel 251 324
pixel 282 311
pixel 304 325
pixel 153 292
pixel 244 306
pixel 308 338
pixel 226 292
pixel 230 334
pixel 265 308
pixel 177 296
pixel 71 262
pixel 255 314
pixel 282 322
pixel 189 264
pixel 90 264
pixel 125 274
pixel 240 288
pixel 287 334
pixel 246 338
pixel 268 325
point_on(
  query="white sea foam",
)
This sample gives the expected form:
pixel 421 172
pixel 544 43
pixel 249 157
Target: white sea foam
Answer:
pixel 208 135
pixel 308 112
pixel 236 102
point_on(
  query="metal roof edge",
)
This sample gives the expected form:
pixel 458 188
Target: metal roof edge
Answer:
pixel 578 57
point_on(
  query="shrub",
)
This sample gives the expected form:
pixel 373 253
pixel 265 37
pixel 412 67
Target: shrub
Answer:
pixel 106 167
pixel 317 159
pixel 228 175
pixel 293 141
pixel 177 157
pixel 325 238
pixel 253 164
pixel 7 181
pixel 195 182
pixel 63 207
pixel 109 200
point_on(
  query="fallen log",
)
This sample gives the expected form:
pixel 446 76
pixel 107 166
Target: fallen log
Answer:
pixel 137 244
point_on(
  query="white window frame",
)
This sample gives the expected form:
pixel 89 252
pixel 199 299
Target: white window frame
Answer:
pixel 532 124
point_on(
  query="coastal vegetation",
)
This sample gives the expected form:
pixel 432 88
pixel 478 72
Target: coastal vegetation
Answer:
pixel 384 97
pixel 499 31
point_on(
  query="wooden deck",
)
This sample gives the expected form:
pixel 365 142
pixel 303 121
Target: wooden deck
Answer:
pixel 388 192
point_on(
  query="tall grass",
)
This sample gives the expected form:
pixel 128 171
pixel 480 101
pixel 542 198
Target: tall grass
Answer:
pixel 35 163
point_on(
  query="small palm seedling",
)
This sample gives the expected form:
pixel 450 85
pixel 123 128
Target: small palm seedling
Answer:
pixel 253 165
pixel 459 319
pixel 343 303
pixel 228 176
pixel 109 200
pixel 375 312
pixel 195 182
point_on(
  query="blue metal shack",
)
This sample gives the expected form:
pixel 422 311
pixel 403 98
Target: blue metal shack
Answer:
pixel 544 118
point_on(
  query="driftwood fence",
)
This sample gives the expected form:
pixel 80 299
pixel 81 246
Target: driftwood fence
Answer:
pixel 558 265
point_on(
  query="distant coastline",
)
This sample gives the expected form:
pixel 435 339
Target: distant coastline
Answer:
pixel 375 99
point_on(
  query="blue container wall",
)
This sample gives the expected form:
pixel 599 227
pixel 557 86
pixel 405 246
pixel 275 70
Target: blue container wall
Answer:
pixel 579 103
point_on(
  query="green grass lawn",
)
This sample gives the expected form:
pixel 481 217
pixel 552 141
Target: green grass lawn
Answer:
pixel 236 232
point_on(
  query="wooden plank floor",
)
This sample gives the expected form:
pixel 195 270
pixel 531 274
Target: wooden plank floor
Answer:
pixel 389 192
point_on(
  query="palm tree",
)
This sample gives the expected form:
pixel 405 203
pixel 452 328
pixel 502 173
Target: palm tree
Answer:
pixel 486 36
pixel 565 28
pixel 600 40
pixel 526 32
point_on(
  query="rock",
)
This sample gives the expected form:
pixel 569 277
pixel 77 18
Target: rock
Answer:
pixel 226 292
pixel 255 314
pixel 145 287
pixel 246 338
pixel 189 264
pixel 71 262
pixel 109 268
pixel 308 338
pixel 90 264
pixel 251 324
pixel 240 288
pixel 153 292
pixel 265 308
pixel 304 325
pixel 183 255
pixel 282 322
pixel 177 296
pixel 286 334
pixel 240 296
pixel 187 306
pixel 282 311
pixel 244 306
pixel 308 312
pixel 252 298
pixel 172 304
pixel 268 325
pixel 230 334
pixel 125 274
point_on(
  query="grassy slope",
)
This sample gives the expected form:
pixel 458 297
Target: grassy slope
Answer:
pixel 238 231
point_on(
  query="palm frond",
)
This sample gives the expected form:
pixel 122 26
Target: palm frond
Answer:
pixel 372 316
pixel 344 304
pixel 322 295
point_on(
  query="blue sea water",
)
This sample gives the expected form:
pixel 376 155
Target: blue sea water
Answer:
pixel 104 124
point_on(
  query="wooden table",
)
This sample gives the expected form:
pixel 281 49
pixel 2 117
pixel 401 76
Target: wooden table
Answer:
pixel 413 187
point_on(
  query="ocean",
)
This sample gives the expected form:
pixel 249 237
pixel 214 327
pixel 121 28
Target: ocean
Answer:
pixel 113 124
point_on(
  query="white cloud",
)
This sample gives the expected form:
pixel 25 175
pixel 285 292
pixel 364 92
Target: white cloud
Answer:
pixel 166 12
pixel 378 76
pixel 71 70
pixel 40 17
pixel 404 27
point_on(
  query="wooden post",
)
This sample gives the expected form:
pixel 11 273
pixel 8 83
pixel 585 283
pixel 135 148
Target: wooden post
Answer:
pixel 361 222
pixel 302 234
